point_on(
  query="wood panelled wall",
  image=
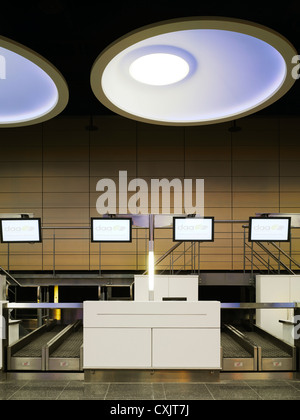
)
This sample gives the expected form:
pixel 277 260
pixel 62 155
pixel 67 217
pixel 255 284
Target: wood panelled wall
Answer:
pixel 52 169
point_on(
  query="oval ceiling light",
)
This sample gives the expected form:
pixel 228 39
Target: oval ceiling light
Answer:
pixel 159 69
pixel 227 69
pixel 31 89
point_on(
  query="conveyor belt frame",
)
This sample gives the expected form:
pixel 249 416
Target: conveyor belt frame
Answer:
pixel 240 363
pixel 62 363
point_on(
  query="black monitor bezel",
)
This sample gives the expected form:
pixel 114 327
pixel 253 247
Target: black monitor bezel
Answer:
pixel 193 240
pixel 269 240
pixel 20 220
pixel 129 219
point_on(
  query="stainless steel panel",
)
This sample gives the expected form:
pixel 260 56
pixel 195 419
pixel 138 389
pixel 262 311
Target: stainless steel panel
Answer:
pixel 43 305
pixel 277 364
pixel 254 305
pixel 238 364
pixel 64 364
pixel 224 305
pixel 140 375
pixel 26 363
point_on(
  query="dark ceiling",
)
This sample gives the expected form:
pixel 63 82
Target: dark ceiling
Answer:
pixel 72 34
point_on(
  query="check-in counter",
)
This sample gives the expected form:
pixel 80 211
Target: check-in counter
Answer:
pixel 151 335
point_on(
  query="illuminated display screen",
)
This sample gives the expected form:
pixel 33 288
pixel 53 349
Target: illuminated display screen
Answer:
pixel 193 229
pixel 111 230
pixel 20 230
pixel 269 229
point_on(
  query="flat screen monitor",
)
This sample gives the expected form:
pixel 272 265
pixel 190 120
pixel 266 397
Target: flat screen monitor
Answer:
pixel 269 229
pixel 20 230
pixel 193 229
pixel 111 230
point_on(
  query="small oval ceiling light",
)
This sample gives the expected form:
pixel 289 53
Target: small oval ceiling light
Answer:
pixel 32 90
pixel 159 69
pixel 230 68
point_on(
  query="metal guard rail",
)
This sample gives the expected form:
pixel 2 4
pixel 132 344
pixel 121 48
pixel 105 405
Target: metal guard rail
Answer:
pixel 275 258
pixel 10 276
pixel 270 253
pixel 286 255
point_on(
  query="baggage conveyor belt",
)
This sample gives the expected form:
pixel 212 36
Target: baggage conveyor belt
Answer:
pixel 50 347
pixel 55 347
pixel 273 353
pixel 253 349
pixel 27 353
pixel 65 351
pixel 237 353
pixel 35 347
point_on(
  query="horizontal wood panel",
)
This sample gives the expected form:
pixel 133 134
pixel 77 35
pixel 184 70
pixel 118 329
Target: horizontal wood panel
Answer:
pixel 53 171
pixel 21 184
pixel 65 169
pixel 21 169
pixel 65 184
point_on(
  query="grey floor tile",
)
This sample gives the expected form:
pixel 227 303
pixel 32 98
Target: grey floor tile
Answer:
pixel 187 391
pixel 275 390
pixel 78 390
pixel 130 391
pixel 295 384
pixel 232 391
pixel 36 390
pixel 8 389
pixel 158 392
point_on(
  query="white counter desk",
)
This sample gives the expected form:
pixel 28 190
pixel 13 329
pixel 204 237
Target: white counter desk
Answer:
pixel 151 335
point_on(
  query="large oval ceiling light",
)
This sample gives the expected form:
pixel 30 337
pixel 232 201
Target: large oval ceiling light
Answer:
pixel 31 89
pixel 230 68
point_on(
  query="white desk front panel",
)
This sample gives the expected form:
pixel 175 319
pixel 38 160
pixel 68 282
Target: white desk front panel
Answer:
pixel 191 348
pixel 113 348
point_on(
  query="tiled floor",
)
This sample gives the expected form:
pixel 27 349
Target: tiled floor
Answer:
pixel 79 390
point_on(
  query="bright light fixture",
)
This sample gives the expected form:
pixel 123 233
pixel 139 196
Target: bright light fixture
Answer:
pixel 159 69
pixel 230 68
pixel 151 271
pixel 32 89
